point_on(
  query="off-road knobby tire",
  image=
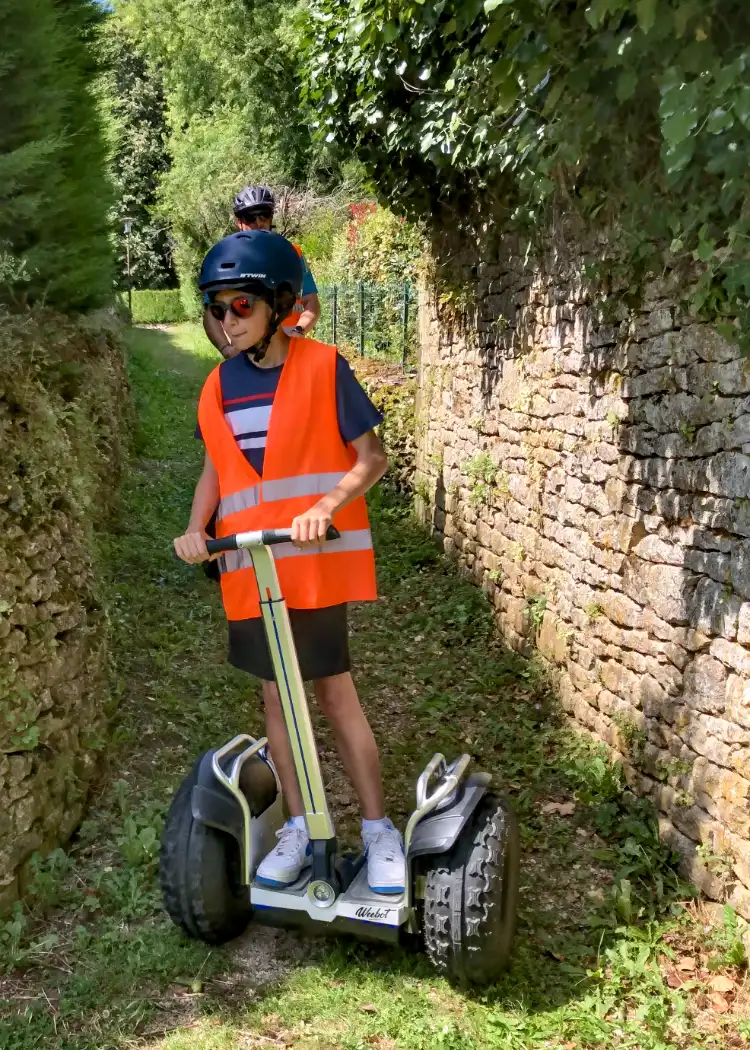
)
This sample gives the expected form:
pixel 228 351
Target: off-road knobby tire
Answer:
pixel 200 874
pixel 471 896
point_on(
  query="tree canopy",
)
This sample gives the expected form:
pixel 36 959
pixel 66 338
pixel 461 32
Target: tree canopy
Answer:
pixel 231 76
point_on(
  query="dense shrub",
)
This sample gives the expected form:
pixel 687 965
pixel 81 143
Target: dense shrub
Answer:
pixel 394 394
pixel 372 245
pixel 164 306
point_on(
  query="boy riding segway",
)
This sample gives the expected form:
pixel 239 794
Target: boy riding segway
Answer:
pixel 289 438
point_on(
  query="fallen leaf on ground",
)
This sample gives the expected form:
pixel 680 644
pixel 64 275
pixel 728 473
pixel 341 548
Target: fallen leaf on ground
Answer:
pixel 368 1008
pixel 563 808
pixel 721 983
pixel 687 964
pixel 718 1003
pixel 674 980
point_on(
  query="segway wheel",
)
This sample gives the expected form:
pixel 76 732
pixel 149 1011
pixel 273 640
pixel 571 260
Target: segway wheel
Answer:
pixel 471 897
pixel 200 874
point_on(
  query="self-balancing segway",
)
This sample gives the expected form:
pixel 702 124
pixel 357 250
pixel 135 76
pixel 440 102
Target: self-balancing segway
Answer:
pixel 461 841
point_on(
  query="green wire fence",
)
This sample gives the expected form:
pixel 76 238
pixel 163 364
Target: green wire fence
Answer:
pixel 374 320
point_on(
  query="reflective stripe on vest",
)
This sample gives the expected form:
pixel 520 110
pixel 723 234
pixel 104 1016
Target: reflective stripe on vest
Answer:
pixel 280 488
pixel 353 540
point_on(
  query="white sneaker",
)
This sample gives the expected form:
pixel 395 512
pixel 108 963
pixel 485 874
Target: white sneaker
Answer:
pixel 288 859
pixel 386 863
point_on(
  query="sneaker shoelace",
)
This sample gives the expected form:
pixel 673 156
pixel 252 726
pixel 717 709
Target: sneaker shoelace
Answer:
pixel 387 844
pixel 288 836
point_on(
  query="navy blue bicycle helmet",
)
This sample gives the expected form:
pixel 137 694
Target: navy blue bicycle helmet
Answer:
pixel 258 261
pixel 252 257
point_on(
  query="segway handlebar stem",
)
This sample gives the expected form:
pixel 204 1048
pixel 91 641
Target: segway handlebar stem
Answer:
pixel 287 674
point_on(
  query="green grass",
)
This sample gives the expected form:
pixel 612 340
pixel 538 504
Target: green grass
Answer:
pixel 91 963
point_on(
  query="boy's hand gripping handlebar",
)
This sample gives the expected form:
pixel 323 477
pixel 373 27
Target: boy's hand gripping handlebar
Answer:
pixel 260 538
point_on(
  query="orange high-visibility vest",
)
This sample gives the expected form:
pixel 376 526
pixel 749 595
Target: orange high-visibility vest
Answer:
pixel 305 458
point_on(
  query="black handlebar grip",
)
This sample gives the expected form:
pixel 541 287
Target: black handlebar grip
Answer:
pixel 228 543
pixel 272 536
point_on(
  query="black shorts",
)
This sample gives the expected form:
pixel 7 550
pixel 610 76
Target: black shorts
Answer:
pixel 321 637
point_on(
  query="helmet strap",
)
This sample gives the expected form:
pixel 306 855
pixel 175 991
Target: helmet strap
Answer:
pixel 259 350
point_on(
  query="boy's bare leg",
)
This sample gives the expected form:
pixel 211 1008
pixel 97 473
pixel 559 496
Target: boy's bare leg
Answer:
pixel 281 751
pixel 338 700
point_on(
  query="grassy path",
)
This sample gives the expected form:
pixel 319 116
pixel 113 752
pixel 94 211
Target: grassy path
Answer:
pixel 605 955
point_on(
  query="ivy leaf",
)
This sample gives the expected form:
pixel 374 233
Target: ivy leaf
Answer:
pixel 742 106
pixel 706 245
pixel 677 127
pixel 738 277
pixel 626 84
pixel 677 157
pixel 554 95
pixel 646 13
pixel 490 5
pixel 683 15
pixel 726 330
pixel 598 11
pixel 719 120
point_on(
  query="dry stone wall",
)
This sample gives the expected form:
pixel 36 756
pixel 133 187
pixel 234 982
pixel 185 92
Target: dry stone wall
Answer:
pixel 63 416
pixel 590 466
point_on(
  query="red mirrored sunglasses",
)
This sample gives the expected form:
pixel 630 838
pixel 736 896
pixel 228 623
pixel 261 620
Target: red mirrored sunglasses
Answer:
pixel 241 307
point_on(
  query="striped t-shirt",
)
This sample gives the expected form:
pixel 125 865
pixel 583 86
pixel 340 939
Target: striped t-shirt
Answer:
pixel 248 391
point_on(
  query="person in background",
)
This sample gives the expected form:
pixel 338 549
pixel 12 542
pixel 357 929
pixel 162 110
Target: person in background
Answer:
pixel 254 208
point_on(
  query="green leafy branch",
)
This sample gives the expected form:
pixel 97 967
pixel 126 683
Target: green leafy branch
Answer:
pixel 632 114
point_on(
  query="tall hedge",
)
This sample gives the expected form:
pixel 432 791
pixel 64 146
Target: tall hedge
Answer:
pixel 54 193
pixel 64 422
